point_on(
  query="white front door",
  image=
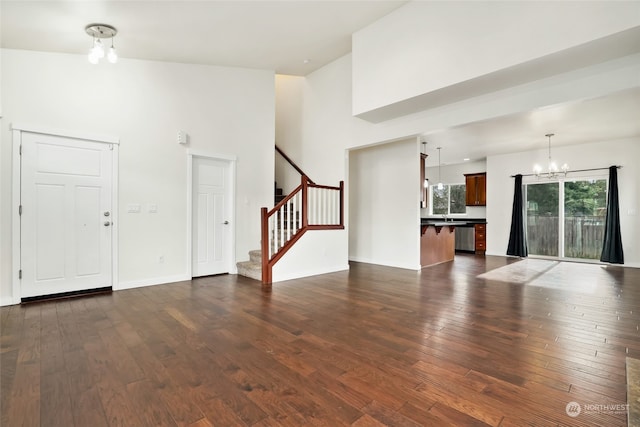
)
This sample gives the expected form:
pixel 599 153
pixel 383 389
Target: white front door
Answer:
pixel 66 219
pixel 210 217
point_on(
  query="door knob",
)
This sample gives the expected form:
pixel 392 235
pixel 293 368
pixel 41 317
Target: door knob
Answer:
pixel 107 213
pixel 226 222
pixel 107 223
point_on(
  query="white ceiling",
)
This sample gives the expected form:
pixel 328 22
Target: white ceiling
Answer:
pixel 280 36
pixel 616 116
pixel 273 35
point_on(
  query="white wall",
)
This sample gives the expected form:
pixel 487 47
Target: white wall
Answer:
pixel 584 156
pixel 384 200
pixel 329 96
pixel 330 130
pixel 426 46
pixel 329 127
pixel 289 101
pixel 5 222
pixel 317 252
pixel 224 110
pixel 454 174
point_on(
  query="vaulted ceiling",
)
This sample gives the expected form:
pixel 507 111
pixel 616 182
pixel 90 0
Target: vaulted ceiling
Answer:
pixel 296 38
pixel 290 37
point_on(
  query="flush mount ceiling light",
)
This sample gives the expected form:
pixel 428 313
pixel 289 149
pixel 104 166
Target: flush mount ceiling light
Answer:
pixel 552 167
pixel 99 32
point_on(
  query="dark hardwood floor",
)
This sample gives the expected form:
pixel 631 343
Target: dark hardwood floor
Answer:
pixel 373 346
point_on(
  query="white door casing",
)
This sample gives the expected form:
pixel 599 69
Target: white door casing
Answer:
pixel 211 216
pixel 66 219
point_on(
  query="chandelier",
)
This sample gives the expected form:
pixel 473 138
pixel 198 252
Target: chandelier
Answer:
pixel 99 32
pixel 552 167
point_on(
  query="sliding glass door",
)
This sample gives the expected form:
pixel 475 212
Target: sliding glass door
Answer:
pixel 565 219
pixel 585 204
pixel 543 218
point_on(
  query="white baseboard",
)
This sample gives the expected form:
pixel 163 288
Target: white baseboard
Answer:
pixel 502 254
pixel 307 273
pixel 595 262
pixel 4 301
pixel 386 263
pixel 151 282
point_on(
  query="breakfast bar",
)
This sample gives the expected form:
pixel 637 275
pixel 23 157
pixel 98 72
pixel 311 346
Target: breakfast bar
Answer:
pixel 437 242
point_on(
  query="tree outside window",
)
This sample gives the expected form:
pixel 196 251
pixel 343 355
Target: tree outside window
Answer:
pixel 579 208
pixel 449 200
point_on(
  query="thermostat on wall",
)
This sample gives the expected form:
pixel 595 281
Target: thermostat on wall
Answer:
pixel 182 137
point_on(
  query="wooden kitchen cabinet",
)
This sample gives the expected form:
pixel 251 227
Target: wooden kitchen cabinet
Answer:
pixel 481 238
pixel 424 191
pixel 476 184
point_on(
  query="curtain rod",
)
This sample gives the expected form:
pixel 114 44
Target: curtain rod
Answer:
pixel 571 171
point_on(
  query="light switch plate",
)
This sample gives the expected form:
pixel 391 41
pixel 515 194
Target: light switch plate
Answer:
pixel 133 208
pixel 152 208
pixel 183 138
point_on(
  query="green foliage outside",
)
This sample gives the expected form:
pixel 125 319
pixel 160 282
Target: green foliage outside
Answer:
pixel 581 198
pixel 450 200
pixel 584 211
pixel 542 199
pixel 585 198
pixel 458 197
pixel 440 200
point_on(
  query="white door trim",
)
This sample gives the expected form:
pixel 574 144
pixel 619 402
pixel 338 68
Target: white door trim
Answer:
pixel 17 131
pixel 231 197
pixel 65 133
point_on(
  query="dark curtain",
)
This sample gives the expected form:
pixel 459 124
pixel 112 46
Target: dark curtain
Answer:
pixel 612 247
pixel 517 236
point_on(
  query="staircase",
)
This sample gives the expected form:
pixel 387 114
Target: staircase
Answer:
pixel 278 195
pixel 253 267
pixel 310 206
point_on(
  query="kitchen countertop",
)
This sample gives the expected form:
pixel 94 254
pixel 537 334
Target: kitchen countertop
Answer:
pixel 444 223
pixel 460 222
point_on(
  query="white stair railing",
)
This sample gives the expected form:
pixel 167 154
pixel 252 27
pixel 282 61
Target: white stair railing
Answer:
pixel 309 207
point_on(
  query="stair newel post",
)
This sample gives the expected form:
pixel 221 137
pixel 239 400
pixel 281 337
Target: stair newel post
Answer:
pixel 305 201
pixel 341 202
pixel 266 270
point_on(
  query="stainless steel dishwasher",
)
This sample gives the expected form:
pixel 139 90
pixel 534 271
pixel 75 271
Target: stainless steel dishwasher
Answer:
pixel 466 238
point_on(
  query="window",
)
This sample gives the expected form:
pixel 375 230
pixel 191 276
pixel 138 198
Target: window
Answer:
pixel 450 200
pixel 566 219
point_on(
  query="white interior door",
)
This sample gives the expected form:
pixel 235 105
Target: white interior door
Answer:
pixel 66 220
pixel 210 217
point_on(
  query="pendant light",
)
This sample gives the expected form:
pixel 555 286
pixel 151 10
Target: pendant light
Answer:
pixel 424 151
pixel 112 56
pixel 440 184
